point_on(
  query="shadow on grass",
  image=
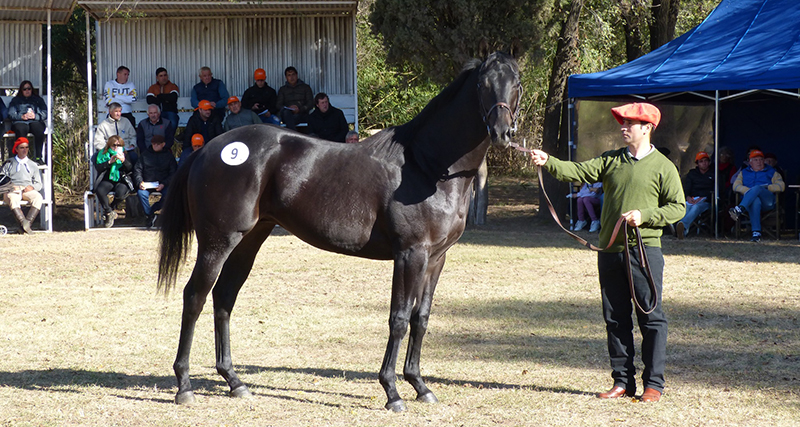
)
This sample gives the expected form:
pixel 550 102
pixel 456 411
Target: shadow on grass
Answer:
pixel 373 376
pixel 754 348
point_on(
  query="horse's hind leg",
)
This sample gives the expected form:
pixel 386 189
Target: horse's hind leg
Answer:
pixel 210 258
pixel 233 275
pixel 419 326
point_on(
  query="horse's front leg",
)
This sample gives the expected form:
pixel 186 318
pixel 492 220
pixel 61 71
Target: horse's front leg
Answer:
pixel 419 326
pixel 409 268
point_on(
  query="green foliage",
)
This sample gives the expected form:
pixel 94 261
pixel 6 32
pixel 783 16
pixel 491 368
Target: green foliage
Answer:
pixel 437 36
pixel 70 128
pixel 387 95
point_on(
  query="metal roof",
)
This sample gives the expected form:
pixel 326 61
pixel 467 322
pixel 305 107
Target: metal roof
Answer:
pixel 160 9
pixel 27 11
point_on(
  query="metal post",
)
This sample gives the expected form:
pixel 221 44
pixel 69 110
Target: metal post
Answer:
pixel 716 165
pixel 48 172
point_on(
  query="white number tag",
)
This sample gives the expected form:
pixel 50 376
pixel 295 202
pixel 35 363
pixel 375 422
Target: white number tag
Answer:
pixel 235 153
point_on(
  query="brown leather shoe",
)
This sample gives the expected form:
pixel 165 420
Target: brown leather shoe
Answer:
pixel 651 395
pixel 614 393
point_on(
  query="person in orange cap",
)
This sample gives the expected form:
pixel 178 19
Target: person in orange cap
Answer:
pixel 262 99
pixel 27 182
pixel 643 187
pixel 237 117
pixel 197 142
pixel 758 184
pixel 202 122
pixel 698 186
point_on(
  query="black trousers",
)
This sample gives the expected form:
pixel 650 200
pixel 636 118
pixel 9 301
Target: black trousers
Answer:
pixel 21 129
pixel 120 190
pixel 618 315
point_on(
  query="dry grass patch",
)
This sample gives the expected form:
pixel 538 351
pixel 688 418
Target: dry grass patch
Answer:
pixel 515 338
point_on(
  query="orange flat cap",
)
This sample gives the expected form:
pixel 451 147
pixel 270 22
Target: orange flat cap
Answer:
pixel 641 111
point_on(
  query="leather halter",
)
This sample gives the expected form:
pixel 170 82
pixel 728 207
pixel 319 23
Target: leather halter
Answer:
pixel 513 113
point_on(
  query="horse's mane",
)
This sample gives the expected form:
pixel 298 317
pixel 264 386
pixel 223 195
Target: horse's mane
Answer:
pixel 432 109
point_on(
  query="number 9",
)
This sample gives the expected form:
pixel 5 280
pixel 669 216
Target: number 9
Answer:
pixel 234 153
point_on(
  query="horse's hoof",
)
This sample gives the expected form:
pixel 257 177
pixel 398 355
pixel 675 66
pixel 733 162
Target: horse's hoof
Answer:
pixel 428 397
pixel 241 391
pixel 396 406
pixel 185 398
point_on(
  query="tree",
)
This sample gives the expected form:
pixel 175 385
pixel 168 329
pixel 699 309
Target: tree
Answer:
pixel 438 37
pixel 556 114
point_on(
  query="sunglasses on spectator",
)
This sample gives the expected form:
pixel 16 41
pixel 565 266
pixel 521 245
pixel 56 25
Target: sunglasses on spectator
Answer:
pixel 118 145
pixel 27 88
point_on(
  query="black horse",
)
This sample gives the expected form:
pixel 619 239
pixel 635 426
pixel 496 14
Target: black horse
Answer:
pixel 400 195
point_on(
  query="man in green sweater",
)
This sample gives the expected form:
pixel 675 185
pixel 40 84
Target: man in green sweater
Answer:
pixel 642 186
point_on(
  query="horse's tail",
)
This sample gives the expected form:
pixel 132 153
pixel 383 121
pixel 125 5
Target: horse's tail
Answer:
pixel 175 237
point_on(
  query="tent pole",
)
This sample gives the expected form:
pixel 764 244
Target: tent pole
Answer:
pixel 716 164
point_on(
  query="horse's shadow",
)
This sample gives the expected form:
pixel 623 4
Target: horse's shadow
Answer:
pixel 65 380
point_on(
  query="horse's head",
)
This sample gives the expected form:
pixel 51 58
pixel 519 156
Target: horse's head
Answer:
pixel 499 93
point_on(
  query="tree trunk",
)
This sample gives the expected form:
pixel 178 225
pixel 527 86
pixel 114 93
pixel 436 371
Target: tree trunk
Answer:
pixel 479 199
pixel 633 18
pixel 662 24
pixel 554 139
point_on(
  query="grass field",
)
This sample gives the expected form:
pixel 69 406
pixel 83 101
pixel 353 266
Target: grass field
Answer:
pixel 516 335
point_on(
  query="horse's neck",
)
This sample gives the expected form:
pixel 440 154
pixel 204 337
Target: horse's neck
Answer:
pixel 455 141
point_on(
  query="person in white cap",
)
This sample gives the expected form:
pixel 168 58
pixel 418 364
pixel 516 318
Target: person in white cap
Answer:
pixel 643 187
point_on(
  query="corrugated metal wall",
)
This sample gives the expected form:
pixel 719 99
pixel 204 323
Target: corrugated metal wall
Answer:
pixel 21 55
pixel 321 48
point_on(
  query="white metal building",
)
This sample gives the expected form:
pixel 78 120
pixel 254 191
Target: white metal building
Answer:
pixel 21 54
pixel 233 38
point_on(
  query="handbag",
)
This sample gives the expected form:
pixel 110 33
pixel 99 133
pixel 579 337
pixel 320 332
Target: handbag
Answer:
pixel 6 186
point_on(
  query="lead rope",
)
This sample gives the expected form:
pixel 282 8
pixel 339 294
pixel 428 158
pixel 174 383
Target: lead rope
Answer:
pixel 621 224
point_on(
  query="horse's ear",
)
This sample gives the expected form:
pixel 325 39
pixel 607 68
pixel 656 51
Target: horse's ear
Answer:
pixel 516 50
pixel 483 49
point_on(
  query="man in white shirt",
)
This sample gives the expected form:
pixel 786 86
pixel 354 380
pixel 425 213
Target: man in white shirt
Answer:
pixel 122 92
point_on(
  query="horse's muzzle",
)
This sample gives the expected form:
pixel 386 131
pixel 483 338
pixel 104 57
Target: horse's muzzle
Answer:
pixel 501 135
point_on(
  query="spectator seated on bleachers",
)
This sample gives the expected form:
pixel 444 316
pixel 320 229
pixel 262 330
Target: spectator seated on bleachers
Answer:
pixel 351 137
pixel 122 91
pixel 27 182
pixel 154 125
pixel 211 90
pixel 202 122
pixel 152 173
pixel 327 121
pixel 115 124
pixel 295 99
pixel 758 184
pixel 113 167
pixel 262 99
pixel 165 94
pixel 27 113
pixel 238 116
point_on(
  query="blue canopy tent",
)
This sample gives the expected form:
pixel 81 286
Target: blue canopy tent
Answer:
pixel 744 58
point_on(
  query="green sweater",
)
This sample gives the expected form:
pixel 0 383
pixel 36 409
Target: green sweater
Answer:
pixel 651 185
